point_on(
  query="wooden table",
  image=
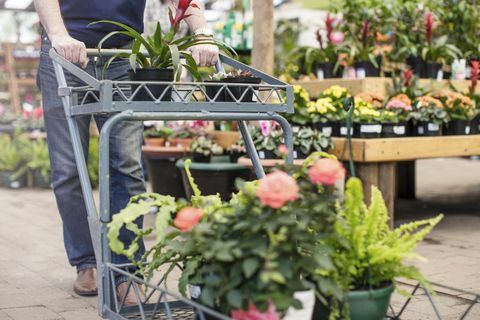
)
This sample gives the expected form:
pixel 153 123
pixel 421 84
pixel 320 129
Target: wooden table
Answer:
pixel 376 159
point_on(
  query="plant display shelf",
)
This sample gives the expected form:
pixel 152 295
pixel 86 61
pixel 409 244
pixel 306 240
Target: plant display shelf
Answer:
pixel 377 85
pixel 190 101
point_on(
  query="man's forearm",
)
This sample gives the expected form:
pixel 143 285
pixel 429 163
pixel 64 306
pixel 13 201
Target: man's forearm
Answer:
pixel 51 17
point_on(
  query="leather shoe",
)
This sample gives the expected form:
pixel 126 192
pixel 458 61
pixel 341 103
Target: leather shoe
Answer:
pixel 128 292
pixel 86 283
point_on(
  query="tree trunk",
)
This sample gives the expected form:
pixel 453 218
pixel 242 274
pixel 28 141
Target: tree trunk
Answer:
pixel 263 37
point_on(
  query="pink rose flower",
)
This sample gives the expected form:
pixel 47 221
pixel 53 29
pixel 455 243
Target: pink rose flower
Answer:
pixel 254 314
pixel 187 218
pixel 276 189
pixel 326 171
pixel 337 38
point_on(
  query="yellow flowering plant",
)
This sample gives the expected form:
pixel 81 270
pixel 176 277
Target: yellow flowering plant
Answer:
pixel 336 95
pixel 302 99
pixel 322 110
pixel 365 112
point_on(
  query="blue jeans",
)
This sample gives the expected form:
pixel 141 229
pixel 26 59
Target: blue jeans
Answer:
pixel 126 172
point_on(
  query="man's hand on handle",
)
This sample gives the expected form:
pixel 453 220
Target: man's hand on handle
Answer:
pixel 205 55
pixel 71 49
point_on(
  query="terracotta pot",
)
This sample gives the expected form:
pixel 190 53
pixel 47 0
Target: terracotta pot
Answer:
pixel 180 142
pixel 155 142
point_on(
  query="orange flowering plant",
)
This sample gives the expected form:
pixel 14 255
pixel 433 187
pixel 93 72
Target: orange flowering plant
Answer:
pixel 250 255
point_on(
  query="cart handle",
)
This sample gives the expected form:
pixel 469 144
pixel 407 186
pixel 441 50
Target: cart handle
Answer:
pixel 95 83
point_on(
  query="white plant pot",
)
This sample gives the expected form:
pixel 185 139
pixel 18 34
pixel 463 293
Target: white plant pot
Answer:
pixel 307 298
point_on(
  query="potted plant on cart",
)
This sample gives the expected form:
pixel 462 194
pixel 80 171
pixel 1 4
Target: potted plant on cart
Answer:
pixel 429 115
pixel 157 137
pixel 369 257
pixel 203 148
pixel 234 93
pixel 158 57
pixel 460 111
pixel 401 106
pixel 436 51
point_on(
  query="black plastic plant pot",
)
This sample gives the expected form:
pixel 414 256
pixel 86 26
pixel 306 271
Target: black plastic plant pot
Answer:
pixel 416 64
pixel 475 125
pixel 327 128
pixel 201 158
pixel 7 180
pixel 367 130
pixel 428 129
pixel 164 175
pixel 431 70
pixel 368 68
pixel 298 154
pixel 325 70
pixel 238 91
pixel 266 154
pixel 234 156
pixel 40 181
pixel 213 92
pixel 343 130
pixel 457 128
pixel 213 178
pixel 149 75
pixel 395 130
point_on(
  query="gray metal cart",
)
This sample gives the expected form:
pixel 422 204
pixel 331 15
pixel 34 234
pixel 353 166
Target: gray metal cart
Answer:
pixel 190 101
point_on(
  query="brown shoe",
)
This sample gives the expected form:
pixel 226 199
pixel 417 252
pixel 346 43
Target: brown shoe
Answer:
pixel 131 298
pixel 86 283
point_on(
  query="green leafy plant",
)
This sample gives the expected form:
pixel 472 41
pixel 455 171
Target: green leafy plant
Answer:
pixel 163 132
pixel 267 141
pixel 308 141
pixel 302 99
pixel 93 161
pixel 437 49
pixel 39 159
pixel 161 50
pixel 12 156
pixel 205 146
pixel 429 109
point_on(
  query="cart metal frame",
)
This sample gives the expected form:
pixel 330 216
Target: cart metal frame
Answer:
pixel 189 102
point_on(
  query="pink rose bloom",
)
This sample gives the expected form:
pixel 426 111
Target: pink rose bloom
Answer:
pixel 253 314
pixel 337 38
pixel 326 171
pixel 395 104
pixel 276 189
pixel 187 218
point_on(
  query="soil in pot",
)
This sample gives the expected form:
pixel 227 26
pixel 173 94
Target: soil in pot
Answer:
pixel 416 64
pixel 428 129
pixel 457 128
pixel 475 125
pixel 367 130
pixel 160 75
pixel 325 70
pixel 327 128
pixel 431 70
pixel 201 158
pixel 7 181
pixel 239 91
pixel 395 130
pixel 366 69
pixel 154 142
pixel 40 181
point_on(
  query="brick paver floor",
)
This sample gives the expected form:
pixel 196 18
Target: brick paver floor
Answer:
pixel 36 280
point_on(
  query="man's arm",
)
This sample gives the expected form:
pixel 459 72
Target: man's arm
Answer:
pixel 51 19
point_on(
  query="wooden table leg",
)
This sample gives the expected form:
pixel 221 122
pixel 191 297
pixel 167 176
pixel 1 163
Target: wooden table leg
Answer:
pixel 382 175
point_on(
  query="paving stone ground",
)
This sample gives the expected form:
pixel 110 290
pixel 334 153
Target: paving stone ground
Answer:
pixel 36 280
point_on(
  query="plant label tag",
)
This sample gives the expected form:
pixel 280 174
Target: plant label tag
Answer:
pixel 467 130
pixel 371 128
pixel 295 154
pixel 327 131
pixel 261 154
pixel 344 131
pixel 320 75
pixel 15 184
pixel 399 130
pixel 194 291
pixel 421 131
pixel 361 74
pixel 307 298
pixel 295 129
pixel 433 127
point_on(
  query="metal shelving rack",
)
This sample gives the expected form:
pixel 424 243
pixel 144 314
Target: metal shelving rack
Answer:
pixel 190 101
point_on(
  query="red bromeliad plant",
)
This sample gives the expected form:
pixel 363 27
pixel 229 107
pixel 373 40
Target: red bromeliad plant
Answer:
pixel 162 50
pixel 436 49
